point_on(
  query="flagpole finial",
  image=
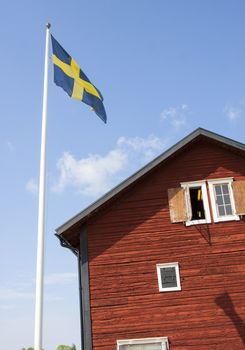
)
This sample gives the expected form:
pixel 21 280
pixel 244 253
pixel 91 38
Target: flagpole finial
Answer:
pixel 48 25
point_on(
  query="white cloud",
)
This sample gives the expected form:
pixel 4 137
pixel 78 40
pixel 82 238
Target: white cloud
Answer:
pixel 231 112
pixel 148 147
pixel 31 186
pixel 176 116
pixel 96 174
pixel 60 278
pixel 92 175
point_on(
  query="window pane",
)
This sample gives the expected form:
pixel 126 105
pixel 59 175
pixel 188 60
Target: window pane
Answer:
pixel 228 210
pixel 220 200
pixel 218 189
pixel 221 210
pixel 225 189
pixel 168 277
pixel 227 199
pixel 223 199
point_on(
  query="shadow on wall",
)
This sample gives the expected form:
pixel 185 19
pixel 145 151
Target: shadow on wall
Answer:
pixel 205 232
pixel 224 302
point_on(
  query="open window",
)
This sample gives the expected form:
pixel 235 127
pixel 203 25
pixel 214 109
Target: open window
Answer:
pixel 196 200
pixel 189 203
pixel 160 343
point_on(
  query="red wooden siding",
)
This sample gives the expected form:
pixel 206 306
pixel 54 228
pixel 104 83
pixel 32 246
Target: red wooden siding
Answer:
pixel 126 241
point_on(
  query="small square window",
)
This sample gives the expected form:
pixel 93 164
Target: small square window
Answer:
pixel 168 277
pixel 221 196
pixel 160 343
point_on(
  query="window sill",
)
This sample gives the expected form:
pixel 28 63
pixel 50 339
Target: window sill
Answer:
pixel 226 218
pixel 174 289
pixel 197 222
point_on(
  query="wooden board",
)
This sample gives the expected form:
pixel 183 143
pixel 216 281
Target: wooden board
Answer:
pixel 239 196
pixel 177 207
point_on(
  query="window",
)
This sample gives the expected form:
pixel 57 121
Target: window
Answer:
pixel 190 202
pixel 168 277
pixel 196 203
pixel 143 344
pixel 222 200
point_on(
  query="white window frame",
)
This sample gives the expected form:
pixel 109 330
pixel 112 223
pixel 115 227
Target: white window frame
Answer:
pixel 144 341
pixel 171 289
pixel 227 181
pixel 192 184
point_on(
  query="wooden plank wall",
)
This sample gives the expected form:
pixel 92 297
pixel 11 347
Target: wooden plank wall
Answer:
pixel 127 241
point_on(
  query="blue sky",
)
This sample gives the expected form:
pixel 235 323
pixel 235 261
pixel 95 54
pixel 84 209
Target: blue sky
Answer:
pixel 164 69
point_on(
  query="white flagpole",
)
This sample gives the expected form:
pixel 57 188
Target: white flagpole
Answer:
pixel 41 208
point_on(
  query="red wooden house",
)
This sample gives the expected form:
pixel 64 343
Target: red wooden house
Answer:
pixel 162 256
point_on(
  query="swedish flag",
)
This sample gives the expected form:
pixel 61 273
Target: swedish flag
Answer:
pixel 69 76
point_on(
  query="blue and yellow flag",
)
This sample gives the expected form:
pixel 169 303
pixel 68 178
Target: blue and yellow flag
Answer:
pixel 69 76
